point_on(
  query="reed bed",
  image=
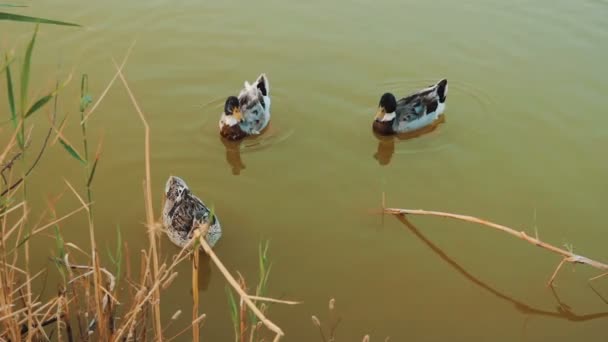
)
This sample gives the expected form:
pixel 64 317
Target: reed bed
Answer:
pixel 87 306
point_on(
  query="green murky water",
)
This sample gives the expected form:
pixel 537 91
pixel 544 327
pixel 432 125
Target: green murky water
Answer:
pixel 523 144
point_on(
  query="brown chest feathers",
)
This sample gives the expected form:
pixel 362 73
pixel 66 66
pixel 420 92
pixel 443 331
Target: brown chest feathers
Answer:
pixel 383 127
pixel 232 132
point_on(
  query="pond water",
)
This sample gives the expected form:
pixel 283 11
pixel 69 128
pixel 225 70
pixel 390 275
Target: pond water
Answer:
pixel 522 144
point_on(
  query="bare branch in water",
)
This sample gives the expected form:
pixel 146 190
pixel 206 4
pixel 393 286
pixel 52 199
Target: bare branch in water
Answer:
pixel 568 256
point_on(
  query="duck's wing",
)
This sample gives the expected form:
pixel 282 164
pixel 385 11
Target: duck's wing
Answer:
pixel 183 215
pixel 203 215
pixel 255 108
pixel 426 101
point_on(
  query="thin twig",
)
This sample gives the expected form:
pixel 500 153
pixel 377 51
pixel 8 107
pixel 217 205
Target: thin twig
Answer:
pixel 561 263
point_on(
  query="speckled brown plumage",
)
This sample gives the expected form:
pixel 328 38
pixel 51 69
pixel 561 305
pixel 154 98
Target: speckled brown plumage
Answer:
pixel 183 212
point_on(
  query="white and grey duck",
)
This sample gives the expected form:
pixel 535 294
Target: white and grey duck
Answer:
pixel 411 113
pixel 183 212
pixel 249 113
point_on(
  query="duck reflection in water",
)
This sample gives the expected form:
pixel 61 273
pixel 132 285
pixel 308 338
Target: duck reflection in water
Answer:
pixel 204 271
pixel 386 144
pixel 386 149
pixel 233 155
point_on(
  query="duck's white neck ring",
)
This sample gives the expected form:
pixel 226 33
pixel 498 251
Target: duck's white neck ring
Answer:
pixel 388 117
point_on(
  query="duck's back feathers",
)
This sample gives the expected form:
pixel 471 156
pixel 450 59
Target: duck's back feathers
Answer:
pixel 180 218
pixel 421 108
pixel 254 100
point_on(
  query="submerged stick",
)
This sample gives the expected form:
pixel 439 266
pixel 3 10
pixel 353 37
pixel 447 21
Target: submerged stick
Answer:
pixel 568 256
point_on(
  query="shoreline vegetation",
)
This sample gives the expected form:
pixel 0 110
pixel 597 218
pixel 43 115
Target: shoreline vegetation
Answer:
pixel 87 305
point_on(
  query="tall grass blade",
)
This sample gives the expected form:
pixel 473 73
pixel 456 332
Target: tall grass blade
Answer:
pixel 24 18
pixel 71 151
pixel 11 98
pixel 12 5
pixel 7 63
pixel 234 313
pixel 25 71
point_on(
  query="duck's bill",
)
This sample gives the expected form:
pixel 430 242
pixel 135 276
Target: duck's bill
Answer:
pixel 238 115
pixel 380 113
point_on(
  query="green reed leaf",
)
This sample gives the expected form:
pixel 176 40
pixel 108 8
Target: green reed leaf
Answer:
pixel 72 151
pixel 7 63
pixel 59 242
pixel 234 312
pixel 45 99
pixel 25 71
pixel 39 104
pixel 24 18
pixel 11 97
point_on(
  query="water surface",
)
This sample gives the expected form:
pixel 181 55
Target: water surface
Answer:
pixel 522 144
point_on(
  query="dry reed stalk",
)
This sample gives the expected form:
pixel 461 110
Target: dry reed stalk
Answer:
pixel 272 300
pixel 105 91
pixel 243 309
pixel 97 285
pixel 195 264
pixel 30 320
pixel 235 285
pixel 149 208
pixel 567 256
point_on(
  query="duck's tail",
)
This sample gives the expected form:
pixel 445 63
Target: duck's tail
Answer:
pixel 263 84
pixel 442 89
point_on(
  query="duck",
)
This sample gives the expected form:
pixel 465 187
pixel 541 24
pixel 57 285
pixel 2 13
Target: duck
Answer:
pixel 183 212
pixel 413 112
pixel 247 114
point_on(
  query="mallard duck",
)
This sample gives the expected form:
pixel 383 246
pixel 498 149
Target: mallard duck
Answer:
pixel 184 211
pixel 410 113
pixel 249 113
pixel 231 119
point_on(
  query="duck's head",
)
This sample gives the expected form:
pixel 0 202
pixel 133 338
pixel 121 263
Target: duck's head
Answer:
pixel 232 109
pixel 386 108
pixel 385 115
pixel 175 189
